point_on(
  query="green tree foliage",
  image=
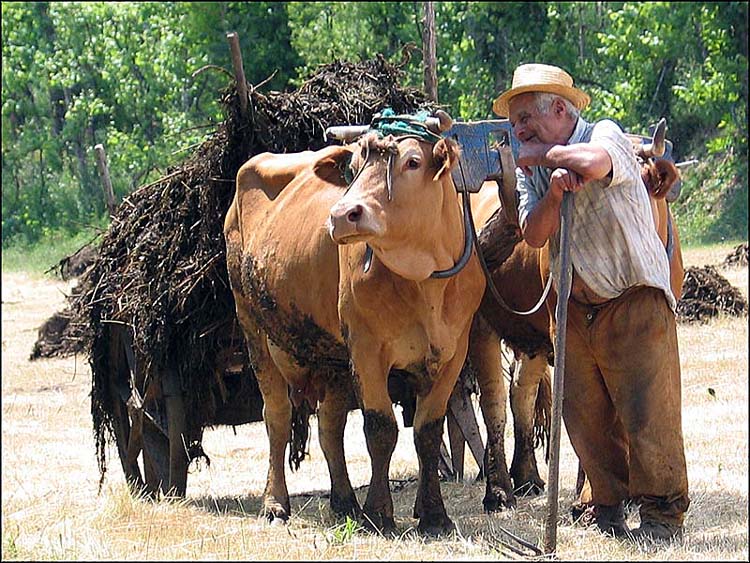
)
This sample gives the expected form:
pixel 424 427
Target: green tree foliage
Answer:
pixel 326 31
pixel 140 78
pixel 120 74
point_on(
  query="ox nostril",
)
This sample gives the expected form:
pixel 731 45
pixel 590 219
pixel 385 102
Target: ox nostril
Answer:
pixel 354 214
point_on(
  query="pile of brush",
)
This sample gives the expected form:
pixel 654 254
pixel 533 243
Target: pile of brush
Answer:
pixel 706 294
pixel 161 265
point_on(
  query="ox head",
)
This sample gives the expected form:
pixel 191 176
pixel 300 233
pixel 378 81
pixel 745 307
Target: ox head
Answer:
pixel 659 176
pixel 401 202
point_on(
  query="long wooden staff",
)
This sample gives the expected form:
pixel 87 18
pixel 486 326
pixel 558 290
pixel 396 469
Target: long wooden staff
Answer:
pixel 561 321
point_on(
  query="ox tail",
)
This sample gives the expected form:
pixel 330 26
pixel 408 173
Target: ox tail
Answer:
pixel 300 435
pixel 543 413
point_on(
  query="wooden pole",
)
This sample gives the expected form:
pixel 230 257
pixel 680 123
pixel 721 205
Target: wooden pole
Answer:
pixel 561 321
pixel 239 70
pixel 429 49
pixel 109 194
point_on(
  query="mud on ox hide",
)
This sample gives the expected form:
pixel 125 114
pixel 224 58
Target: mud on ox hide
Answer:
pixel 309 307
pixel 519 273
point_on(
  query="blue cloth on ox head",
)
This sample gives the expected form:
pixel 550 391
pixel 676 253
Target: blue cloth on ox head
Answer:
pixel 388 123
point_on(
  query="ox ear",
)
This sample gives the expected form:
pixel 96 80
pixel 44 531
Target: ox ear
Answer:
pixel 659 176
pixel 445 153
pixel 333 164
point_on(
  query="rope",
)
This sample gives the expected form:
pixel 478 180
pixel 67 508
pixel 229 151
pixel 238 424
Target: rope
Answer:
pixel 388 123
pixel 488 275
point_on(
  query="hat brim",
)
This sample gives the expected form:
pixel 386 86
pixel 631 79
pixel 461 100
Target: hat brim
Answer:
pixel 501 105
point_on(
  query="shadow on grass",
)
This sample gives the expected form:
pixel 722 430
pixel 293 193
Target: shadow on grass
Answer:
pixel 710 528
pixel 252 505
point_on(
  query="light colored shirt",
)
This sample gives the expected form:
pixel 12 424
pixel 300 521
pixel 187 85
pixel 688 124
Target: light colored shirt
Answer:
pixel 613 242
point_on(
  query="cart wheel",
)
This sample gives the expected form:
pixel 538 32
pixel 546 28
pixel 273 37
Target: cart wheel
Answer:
pixel 123 429
pixel 178 439
pixel 141 428
pixel 155 460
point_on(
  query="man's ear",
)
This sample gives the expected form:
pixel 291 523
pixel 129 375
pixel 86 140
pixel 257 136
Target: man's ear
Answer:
pixel 331 166
pixel 445 153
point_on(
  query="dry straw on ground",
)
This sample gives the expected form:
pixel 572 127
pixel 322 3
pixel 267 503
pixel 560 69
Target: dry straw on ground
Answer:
pixel 51 509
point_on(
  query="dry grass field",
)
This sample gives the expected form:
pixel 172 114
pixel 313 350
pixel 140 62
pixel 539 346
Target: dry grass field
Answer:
pixel 51 507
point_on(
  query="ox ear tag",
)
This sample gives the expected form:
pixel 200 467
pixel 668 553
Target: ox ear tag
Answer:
pixel 444 151
pixel 439 173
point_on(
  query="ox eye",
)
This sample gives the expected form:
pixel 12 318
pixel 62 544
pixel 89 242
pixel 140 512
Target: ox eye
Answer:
pixel 412 163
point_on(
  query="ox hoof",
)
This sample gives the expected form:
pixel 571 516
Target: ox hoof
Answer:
pixel 276 513
pixel 436 525
pixel 379 524
pixel 345 506
pixel 277 522
pixel 530 487
pixel 495 502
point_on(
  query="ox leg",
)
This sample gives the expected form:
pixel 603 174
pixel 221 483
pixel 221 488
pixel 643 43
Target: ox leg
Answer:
pixel 277 409
pixel 485 357
pixel 523 396
pixel 332 414
pixel 429 506
pixel 277 414
pixel 428 432
pixel 381 433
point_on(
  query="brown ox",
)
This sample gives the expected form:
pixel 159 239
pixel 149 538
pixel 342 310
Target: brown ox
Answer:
pixel 308 307
pixel 519 273
pixel 515 270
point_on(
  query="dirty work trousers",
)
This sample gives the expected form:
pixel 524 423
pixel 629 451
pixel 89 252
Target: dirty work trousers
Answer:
pixel 622 403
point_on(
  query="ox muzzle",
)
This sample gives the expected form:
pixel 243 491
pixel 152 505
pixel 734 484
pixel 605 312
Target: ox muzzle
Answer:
pixel 352 221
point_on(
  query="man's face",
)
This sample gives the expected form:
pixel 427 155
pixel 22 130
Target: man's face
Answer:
pixel 531 126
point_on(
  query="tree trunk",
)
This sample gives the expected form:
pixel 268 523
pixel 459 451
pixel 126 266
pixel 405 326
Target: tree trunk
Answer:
pixel 429 47
pixel 109 193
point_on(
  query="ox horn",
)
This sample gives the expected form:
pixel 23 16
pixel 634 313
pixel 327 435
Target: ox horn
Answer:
pixel 345 133
pixel 439 122
pixel 657 145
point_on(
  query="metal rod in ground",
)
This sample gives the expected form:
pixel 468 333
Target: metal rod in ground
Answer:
pixel 239 70
pixel 561 319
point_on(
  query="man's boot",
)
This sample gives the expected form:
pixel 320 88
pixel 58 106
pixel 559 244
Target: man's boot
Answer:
pixel 609 519
pixel 654 530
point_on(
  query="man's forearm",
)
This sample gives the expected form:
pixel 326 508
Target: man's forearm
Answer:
pixel 543 221
pixel 591 162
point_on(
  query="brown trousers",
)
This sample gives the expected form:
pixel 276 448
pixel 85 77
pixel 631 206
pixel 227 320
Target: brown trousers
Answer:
pixel 622 403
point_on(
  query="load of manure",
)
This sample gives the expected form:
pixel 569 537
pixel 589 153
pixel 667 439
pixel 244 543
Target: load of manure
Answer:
pixel 706 294
pixel 738 257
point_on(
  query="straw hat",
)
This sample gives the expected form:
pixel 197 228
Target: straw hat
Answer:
pixel 540 78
